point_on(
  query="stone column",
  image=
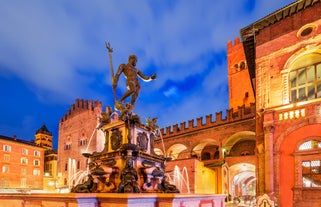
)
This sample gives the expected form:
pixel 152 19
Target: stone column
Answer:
pixel 297 189
pixel 260 152
pixel 260 172
pixel 277 176
pixel 269 159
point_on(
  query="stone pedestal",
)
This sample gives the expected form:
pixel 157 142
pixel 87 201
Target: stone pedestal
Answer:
pixel 127 163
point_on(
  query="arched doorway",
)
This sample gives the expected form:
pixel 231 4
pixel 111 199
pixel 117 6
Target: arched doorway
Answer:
pixel 243 181
pixel 239 154
pixel 290 183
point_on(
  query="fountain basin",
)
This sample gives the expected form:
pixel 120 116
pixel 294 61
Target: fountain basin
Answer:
pixel 112 200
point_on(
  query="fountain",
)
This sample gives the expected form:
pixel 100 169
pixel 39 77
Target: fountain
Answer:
pixel 127 162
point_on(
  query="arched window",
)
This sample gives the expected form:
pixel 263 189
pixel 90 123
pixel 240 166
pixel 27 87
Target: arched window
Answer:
pixel 68 144
pixel 311 144
pixel 310 163
pixel 305 78
pixel 82 140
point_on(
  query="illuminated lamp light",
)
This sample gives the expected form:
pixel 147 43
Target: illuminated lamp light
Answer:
pixel 302 112
pixel 286 116
pixel 223 151
pixel 297 114
pixel 291 114
pixel 318 110
pixel 280 117
pixel 243 168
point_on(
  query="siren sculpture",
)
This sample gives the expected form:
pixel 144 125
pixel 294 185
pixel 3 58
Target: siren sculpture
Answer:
pixel 128 163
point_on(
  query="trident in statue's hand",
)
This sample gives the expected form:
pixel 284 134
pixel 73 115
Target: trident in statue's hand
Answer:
pixel 110 51
pixel 108 47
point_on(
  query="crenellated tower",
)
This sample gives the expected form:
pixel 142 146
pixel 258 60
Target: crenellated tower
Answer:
pixel 78 134
pixel 239 84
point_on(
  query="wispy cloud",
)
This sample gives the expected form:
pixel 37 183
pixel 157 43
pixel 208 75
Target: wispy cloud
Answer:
pixel 56 48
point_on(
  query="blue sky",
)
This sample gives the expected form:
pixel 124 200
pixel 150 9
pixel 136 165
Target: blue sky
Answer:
pixel 53 52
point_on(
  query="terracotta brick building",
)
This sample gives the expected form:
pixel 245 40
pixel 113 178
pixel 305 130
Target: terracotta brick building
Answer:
pixel 283 54
pixel 276 148
pixel 43 138
pixel 77 135
pixel 22 165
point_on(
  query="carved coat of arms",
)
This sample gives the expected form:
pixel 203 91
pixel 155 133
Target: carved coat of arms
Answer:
pixel 116 139
pixel 142 141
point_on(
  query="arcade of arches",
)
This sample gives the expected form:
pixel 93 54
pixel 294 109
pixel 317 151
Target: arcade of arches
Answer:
pixel 231 160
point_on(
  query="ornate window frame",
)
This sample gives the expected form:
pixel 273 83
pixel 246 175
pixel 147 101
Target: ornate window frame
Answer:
pixel 294 63
pixel 302 156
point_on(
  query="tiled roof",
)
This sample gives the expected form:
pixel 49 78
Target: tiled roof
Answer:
pixel 43 130
pixel 14 139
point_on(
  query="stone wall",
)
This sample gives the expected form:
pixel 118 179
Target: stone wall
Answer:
pixel 232 116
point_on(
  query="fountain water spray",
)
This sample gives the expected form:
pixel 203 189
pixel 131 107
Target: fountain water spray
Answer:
pixel 180 179
pixel 161 136
pixel 89 141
